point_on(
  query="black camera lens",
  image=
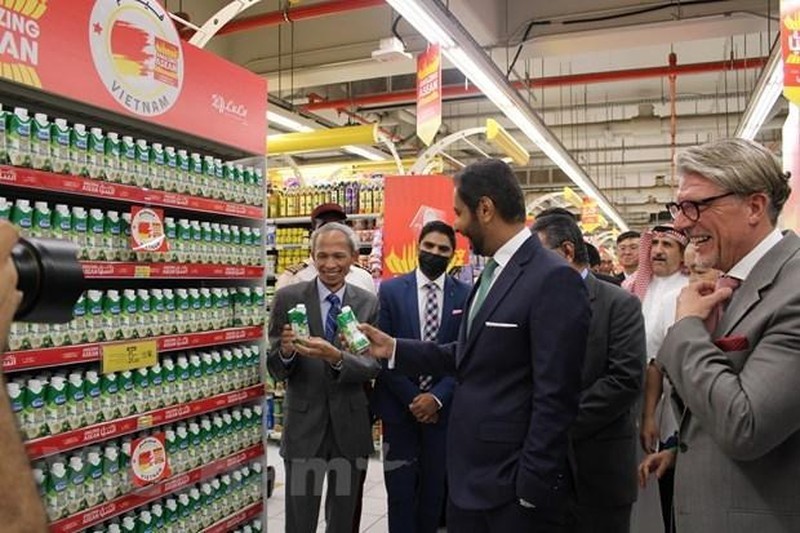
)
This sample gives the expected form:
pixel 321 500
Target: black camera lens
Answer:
pixel 50 278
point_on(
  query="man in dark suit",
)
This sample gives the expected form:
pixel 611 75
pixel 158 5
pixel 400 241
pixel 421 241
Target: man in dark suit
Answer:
pixel 628 253
pixel 327 430
pixel 595 261
pixel 517 364
pixel 428 305
pixel 604 434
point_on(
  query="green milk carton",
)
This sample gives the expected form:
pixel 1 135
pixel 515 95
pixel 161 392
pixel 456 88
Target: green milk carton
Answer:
pixel 22 217
pixel 170 169
pixel 111 471
pixel 56 493
pixel 183 172
pixel 34 415
pixel 170 318
pixel 125 479
pixel 109 396
pixel 112 316
pixel 80 227
pixel 144 325
pixel 129 314
pixel 141 389
pixel 79 150
pixel 158 165
pixel 93 486
pixel 158 311
pixel 156 395
pixel 77 328
pixel 56 413
pixel 129 163
pixel 170 381
pixel 184 372
pixel 195 444
pixel 126 252
pixel 182 441
pixel 112 162
pixel 76 480
pixel 96 154
pixel 3 139
pixel 143 176
pixel 171 232
pixel 42 221
pixel 197 373
pixel 16 396
pixel 60 135
pixel 183 310
pixel 126 393
pixel 76 396
pixel 96 235
pixel 18 137
pixel 114 241
pixel 93 412
pixel 40 142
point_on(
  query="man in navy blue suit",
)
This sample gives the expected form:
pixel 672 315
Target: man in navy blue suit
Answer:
pixel 425 305
pixel 517 364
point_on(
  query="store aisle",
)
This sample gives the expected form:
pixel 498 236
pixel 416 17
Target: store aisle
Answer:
pixel 373 515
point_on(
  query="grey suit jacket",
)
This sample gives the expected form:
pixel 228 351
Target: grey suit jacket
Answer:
pixel 604 434
pixel 738 468
pixel 315 392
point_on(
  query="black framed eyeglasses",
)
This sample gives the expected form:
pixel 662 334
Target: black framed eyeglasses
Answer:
pixel 691 209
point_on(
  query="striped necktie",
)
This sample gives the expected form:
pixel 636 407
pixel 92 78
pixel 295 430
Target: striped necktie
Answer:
pixel 330 319
pixel 431 327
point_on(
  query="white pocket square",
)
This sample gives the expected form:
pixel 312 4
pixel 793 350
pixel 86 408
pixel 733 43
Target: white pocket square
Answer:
pixel 501 325
pixel 457 311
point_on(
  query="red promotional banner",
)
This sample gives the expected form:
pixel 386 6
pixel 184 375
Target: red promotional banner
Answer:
pixel 125 56
pixel 411 202
pixel 790 49
pixel 429 94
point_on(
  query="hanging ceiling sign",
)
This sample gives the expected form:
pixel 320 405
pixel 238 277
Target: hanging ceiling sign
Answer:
pixel 429 94
pixel 790 49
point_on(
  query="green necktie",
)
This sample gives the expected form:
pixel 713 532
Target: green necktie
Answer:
pixel 483 290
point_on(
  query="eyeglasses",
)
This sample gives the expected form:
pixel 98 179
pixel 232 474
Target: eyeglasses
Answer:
pixel 691 209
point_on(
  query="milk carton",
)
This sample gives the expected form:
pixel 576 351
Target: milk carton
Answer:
pixel 76 396
pixel 56 413
pixel 60 134
pixel 76 491
pixel 34 416
pixel 79 150
pixel 112 163
pixel 18 137
pixel 40 142
pixel 96 154
pixel 111 471
pixel 93 486
pixel 56 493
pixel 109 396
pixel 93 401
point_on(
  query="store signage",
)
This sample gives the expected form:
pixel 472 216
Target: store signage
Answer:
pixel 147 232
pixel 149 462
pixel 125 56
pixel 590 215
pixel 129 356
pixel 429 94
pixel 412 202
pixel 790 48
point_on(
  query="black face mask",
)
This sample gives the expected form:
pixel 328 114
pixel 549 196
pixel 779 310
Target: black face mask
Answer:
pixel 432 265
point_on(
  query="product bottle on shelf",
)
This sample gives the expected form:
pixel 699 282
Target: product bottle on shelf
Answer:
pixel 40 142
pixel 18 137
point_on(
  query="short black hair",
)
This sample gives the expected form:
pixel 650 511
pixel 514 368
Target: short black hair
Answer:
pixel 628 235
pixel 592 254
pixel 560 229
pixel 439 227
pixel 556 211
pixel 495 180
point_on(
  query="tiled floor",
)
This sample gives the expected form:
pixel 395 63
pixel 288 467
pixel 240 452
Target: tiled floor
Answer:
pixel 373 515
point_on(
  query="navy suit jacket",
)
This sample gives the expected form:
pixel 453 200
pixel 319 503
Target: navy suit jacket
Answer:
pixel 518 384
pixel 399 317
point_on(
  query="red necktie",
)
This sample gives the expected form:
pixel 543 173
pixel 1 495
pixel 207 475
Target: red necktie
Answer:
pixel 715 315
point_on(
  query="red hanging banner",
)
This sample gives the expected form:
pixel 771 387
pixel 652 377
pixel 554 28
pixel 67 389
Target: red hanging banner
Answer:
pixel 411 202
pixel 790 49
pixel 125 56
pixel 429 94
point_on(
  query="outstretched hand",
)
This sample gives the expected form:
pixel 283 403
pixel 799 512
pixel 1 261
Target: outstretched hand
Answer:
pixel 381 345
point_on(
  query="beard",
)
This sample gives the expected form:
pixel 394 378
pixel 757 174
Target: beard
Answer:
pixel 476 238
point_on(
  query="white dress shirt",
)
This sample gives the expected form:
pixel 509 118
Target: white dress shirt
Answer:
pixel 746 264
pixel 503 255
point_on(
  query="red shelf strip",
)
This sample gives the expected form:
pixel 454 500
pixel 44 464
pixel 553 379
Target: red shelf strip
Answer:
pixel 38 179
pixel 121 270
pixel 123 504
pixel 78 438
pixel 84 353
pixel 242 517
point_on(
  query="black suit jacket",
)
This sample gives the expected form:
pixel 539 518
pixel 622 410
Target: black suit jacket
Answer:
pixel 604 434
pixel 518 376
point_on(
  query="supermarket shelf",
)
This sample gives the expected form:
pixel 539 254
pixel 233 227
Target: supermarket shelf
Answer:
pixel 283 221
pixel 63 183
pixel 78 438
pixel 273 247
pixel 100 513
pixel 237 519
pixel 84 353
pixel 124 270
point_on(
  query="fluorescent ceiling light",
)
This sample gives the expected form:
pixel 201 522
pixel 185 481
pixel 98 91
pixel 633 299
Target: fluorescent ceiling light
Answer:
pixel 768 89
pixel 298 124
pixel 437 25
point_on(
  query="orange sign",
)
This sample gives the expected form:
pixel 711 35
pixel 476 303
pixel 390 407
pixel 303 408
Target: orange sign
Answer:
pixel 411 202
pixel 429 94
pixel 149 462
pixel 790 49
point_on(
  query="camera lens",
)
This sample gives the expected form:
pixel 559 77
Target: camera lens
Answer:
pixel 50 279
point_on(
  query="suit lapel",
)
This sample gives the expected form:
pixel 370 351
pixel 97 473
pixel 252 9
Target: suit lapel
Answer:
pixel 447 309
pixel 312 309
pixel 761 278
pixel 591 287
pixel 411 302
pixel 508 276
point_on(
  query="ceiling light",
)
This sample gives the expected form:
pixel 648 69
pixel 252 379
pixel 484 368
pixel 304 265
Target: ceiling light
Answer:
pixel 287 122
pixel 366 153
pixel 437 25
pixel 767 91
pixel 308 141
pixel 498 136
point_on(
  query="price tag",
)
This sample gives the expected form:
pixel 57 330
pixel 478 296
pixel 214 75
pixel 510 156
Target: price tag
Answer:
pixel 141 271
pixel 129 356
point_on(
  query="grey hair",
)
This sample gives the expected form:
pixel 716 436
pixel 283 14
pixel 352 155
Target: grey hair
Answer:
pixel 352 239
pixel 740 166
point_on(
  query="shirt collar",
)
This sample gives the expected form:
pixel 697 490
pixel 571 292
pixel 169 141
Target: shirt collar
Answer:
pixel 584 273
pixel 325 291
pixel 746 264
pixel 504 254
pixel 423 280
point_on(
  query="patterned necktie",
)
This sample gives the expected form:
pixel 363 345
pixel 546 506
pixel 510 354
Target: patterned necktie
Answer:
pixel 330 319
pixel 483 289
pixel 431 327
pixel 715 316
